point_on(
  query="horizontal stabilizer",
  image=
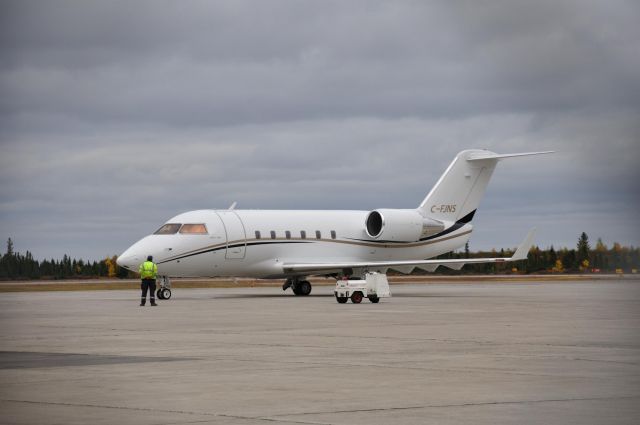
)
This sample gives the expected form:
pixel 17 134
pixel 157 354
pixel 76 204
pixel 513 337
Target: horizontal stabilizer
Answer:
pixel 478 156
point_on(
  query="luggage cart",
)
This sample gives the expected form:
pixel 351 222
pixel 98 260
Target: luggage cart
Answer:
pixel 374 286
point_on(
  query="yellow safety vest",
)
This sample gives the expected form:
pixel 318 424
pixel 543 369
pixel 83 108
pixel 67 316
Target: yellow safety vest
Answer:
pixel 148 270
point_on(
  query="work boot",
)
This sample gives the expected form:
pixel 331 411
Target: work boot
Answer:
pixel 153 303
pixel 143 302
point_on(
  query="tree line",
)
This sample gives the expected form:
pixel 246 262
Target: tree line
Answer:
pixel 14 265
pixel 582 259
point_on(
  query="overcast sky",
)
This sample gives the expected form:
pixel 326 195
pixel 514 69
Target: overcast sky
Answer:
pixel 116 116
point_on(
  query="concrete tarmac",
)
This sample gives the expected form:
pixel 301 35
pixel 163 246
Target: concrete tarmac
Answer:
pixel 489 353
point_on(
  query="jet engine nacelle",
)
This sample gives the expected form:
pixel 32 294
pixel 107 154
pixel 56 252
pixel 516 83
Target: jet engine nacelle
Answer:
pixel 400 225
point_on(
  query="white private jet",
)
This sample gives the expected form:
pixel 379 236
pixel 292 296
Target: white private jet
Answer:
pixel 293 244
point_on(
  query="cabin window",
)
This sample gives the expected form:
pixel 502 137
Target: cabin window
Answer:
pixel 194 229
pixel 273 234
pixel 168 229
pixel 287 234
pixel 303 234
pixel 318 234
pixel 257 234
pixel 333 234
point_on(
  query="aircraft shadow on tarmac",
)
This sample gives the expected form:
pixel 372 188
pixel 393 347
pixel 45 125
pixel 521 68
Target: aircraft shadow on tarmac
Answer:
pixel 28 360
pixel 322 295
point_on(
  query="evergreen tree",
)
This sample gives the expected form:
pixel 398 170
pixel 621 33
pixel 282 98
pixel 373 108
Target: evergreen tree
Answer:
pixel 599 258
pixel 534 260
pixel 569 259
pixel 10 268
pixel 583 248
pixel 9 248
pixel 553 257
pixel 616 256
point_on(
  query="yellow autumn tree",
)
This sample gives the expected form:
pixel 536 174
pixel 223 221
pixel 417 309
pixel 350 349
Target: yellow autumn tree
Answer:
pixel 558 268
pixel 111 266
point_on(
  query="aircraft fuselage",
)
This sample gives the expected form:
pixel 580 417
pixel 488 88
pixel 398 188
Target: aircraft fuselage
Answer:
pixel 256 243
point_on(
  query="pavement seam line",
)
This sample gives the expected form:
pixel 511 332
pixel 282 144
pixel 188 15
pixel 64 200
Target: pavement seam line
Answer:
pixel 488 403
pixel 144 409
pixel 141 409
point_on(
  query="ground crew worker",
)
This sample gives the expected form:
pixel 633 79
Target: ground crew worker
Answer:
pixel 148 271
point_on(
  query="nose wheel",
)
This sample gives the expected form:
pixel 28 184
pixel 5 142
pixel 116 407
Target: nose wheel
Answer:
pixel 164 292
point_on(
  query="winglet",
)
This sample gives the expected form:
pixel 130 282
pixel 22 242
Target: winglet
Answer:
pixel 523 248
pixel 233 206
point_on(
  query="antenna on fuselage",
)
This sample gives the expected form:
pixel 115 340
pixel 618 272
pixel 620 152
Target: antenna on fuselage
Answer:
pixel 233 206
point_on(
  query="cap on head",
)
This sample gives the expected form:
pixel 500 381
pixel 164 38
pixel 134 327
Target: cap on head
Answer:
pixel 150 258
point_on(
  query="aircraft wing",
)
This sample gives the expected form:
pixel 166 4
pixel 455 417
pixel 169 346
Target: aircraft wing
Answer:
pixel 409 265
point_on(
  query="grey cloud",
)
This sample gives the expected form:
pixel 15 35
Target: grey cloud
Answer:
pixel 116 116
pixel 221 64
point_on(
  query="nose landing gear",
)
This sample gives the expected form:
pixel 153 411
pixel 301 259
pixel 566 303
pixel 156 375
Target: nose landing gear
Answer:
pixel 164 291
pixel 164 294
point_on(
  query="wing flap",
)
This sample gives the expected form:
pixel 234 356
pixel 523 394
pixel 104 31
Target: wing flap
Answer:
pixel 428 267
pixel 404 269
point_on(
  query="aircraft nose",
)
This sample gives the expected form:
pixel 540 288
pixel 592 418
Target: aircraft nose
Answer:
pixel 136 254
pixel 129 260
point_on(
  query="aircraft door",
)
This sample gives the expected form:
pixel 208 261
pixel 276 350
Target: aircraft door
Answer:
pixel 236 235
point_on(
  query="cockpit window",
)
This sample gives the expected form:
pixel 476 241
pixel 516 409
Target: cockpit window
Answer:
pixel 194 229
pixel 168 229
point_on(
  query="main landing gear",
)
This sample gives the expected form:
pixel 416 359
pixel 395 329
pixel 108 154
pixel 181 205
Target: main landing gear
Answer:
pixel 299 287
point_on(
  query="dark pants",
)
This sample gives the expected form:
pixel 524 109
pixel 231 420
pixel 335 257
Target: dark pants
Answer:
pixel 150 285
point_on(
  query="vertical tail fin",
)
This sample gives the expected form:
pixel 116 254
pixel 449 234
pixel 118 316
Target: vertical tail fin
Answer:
pixel 460 189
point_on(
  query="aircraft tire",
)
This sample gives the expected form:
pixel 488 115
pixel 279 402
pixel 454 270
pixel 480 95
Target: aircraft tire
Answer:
pixel 166 293
pixel 304 288
pixel 374 300
pixel 342 300
pixel 356 297
pixel 159 294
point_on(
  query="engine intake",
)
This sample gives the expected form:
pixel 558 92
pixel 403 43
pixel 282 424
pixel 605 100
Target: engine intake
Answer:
pixel 375 224
pixel 400 225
